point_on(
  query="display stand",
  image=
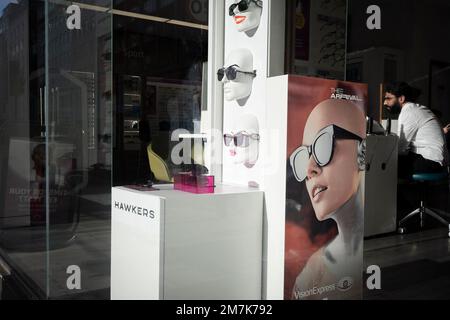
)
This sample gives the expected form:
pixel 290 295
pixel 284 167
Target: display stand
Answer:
pixel 168 244
pixel 380 208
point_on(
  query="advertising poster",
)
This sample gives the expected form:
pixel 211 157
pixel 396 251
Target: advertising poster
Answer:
pixel 324 189
pixel 25 202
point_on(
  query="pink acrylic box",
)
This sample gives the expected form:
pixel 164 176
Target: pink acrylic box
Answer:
pixel 200 184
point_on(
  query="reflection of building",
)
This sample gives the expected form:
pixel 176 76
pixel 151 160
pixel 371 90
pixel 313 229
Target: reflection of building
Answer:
pixel 14 85
pixel 14 52
pixel 3 79
pixel 66 80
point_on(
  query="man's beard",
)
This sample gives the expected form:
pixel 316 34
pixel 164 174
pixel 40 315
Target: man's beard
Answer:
pixel 395 109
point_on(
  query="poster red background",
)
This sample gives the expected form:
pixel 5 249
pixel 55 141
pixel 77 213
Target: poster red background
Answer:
pixel 303 233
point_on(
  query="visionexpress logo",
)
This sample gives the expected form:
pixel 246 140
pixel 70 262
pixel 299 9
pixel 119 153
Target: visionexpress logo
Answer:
pixel 345 284
pixel 134 209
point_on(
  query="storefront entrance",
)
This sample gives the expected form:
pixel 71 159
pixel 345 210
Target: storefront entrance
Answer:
pixel 84 88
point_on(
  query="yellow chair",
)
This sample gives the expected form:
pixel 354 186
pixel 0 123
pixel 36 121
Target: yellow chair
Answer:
pixel 197 155
pixel 158 166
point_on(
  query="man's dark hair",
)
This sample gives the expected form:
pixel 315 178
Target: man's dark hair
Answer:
pixel 399 89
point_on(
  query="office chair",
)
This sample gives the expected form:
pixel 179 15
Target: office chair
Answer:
pixel 158 166
pixel 426 180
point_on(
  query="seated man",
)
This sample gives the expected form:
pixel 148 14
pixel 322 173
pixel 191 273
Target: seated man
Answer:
pixel 421 138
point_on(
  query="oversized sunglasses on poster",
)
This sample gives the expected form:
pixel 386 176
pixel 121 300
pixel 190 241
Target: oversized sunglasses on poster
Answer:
pixel 231 72
pixel 322 149
pixel 243 6
pixel 241 139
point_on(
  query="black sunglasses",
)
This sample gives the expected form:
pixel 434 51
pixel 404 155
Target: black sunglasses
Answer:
pixel 240 139
pixel 322 149
pixel 243 6
pixel 231 72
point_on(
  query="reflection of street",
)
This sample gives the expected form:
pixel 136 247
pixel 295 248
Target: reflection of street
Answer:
pixel 86 244
pixel 80 236
pixel 90 251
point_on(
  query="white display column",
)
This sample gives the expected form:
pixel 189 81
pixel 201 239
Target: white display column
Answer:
pixel 254 46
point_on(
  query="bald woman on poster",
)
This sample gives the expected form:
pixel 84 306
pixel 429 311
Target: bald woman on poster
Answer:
pixel 331 162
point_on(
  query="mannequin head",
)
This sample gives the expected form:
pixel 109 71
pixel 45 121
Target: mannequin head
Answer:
pixel 331 186
pixel 241 61
pixel 246 134
pixel 248 19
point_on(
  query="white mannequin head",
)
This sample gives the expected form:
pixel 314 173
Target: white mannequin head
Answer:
pixel 248 125
pixel 249 19
pixel 241 87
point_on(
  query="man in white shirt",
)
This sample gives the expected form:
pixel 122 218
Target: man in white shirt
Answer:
pixel 422 143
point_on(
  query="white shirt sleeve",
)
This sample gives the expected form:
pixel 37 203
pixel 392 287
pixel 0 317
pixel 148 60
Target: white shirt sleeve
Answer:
pixel 407 129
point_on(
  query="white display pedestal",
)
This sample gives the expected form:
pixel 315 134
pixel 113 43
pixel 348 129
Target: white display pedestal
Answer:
pixel 380 213
pixel 168 244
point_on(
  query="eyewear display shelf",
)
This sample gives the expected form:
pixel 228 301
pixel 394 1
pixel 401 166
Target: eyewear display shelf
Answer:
pixel 168 244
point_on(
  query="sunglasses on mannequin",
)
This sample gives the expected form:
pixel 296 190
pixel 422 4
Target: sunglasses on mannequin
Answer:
pixel 240 139
pixel 231 72
pixel 243 6
pixel 322 149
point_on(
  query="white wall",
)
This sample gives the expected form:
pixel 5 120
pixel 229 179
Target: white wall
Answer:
pixel 267 46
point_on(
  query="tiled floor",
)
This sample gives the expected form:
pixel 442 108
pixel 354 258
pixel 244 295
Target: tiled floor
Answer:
pixel 413 266
pixel 90 250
